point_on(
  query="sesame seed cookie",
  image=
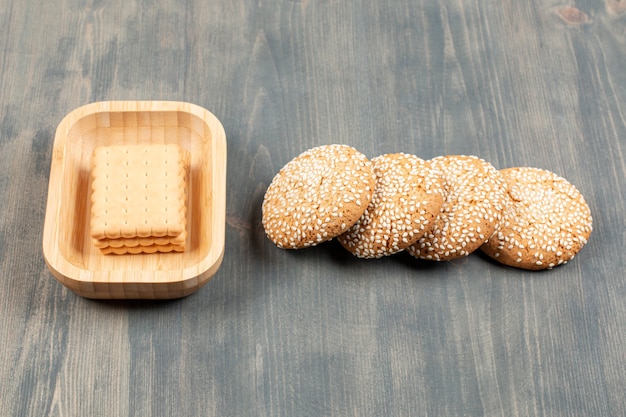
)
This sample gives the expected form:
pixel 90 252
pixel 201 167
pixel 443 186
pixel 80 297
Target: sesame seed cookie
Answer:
pixel 546 221
pixel 317 196
pixel 407 198
pixel 474 197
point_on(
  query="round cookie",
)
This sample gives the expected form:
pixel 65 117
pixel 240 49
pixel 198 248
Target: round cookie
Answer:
pixel 317 196
pixel 474 197
pixel 407 198
pixel 546 221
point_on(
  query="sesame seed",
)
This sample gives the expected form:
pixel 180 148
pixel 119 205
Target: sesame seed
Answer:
pixel 546 214
pixel 305 190
pixel 398 208
pixel 474 189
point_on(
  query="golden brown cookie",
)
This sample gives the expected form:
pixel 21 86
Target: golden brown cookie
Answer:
pixel 474 197
pixel 407 197
pixel 317 196
pixel 545 223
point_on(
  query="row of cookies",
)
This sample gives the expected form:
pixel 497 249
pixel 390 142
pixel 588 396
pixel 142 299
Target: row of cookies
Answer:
pixel 441 209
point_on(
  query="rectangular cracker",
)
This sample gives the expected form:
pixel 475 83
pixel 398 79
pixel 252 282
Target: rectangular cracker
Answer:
pixel 141 241
pixel 142 249
pixel 138 192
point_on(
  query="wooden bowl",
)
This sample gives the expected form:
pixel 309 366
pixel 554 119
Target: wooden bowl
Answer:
pixel 67 247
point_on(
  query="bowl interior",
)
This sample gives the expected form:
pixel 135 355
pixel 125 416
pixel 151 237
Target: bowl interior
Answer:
pixel 134 127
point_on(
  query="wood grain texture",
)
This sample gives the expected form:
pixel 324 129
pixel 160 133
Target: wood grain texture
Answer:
pixel 318 332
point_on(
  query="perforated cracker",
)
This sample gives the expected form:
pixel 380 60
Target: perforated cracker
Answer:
pixel 142 249
pixel 138 192
pixel 141 241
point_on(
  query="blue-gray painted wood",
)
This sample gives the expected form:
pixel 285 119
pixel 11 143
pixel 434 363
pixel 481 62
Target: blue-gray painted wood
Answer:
pixel 318 332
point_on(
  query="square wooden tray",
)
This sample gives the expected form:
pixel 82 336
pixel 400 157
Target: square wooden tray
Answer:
pixel 67 247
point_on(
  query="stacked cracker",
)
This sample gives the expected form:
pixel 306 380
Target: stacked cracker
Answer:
pixel 441 209
pixel 138 198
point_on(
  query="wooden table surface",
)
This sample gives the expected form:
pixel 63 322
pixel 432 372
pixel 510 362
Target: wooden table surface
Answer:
pixel 319 332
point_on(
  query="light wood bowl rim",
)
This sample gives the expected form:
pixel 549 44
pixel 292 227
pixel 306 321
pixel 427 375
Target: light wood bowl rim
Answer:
pixel 144 283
